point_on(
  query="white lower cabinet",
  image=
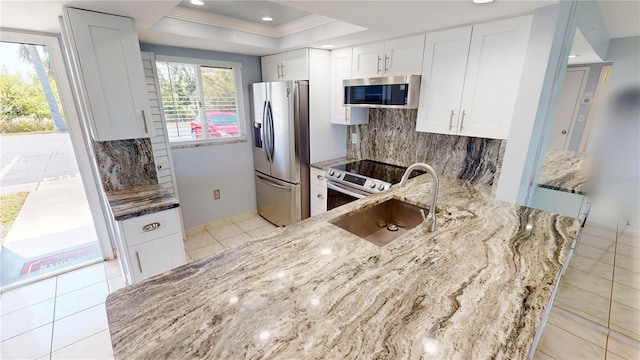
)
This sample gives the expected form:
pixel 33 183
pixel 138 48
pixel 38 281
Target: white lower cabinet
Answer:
pixel 318 192
pixel 150 244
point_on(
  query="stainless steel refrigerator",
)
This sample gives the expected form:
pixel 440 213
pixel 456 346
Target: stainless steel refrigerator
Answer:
pixel 281 150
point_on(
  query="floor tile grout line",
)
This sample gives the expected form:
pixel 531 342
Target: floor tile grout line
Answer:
pixel 613 276
pixel 53 319
pixel 84 338
pixel 91 307
pixel 578 336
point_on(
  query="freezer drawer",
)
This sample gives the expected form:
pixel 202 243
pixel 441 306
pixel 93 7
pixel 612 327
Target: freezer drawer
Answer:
pixel 278 201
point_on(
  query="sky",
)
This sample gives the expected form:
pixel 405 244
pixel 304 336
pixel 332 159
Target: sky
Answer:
pixel 10 59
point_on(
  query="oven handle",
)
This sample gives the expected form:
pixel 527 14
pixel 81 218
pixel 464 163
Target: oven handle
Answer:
pixel 338 188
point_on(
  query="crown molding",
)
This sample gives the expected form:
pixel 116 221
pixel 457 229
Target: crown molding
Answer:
pixel 231 23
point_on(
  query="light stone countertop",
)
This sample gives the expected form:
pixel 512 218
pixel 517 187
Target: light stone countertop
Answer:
pixel 565 171
pixel 476 288
pixel 324 165
pixel 138 201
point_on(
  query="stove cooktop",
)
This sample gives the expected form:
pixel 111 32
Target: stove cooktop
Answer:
pixel 388 173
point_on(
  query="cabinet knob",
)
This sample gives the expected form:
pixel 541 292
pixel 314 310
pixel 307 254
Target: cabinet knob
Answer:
pixel 564 132
pixel 320 177
pixel 320 196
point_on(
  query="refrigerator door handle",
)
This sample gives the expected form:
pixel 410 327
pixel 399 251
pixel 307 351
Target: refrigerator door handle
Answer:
pixel 268 182
pixel 271 131
pixel 265 128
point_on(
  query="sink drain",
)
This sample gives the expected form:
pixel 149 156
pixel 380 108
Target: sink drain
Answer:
pixel 392 227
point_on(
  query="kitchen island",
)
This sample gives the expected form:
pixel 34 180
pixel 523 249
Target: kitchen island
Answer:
pixel 476 288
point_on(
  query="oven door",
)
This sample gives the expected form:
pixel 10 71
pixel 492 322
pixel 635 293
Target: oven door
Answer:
pixel 340 194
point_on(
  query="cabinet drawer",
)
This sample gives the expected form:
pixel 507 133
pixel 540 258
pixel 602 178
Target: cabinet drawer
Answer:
pixel 317 177
pixel 152 226
pixel 318 196
pixel 155 257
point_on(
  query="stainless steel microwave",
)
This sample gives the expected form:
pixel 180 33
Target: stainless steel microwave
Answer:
pixel 400 92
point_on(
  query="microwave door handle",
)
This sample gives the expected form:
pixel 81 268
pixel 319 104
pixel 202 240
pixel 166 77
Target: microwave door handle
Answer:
pixel 341 189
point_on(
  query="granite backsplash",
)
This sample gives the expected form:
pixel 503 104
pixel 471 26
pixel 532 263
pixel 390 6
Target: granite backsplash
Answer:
pixel 125 164
pixel 390 137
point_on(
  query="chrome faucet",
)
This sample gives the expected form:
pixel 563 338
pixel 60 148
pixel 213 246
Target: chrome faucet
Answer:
pixel 431 218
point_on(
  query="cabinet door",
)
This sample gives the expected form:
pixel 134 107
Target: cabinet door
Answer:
pixel 404 56
pixel 271 67
pixel 295 65
pixel 496 58
pixel 157 256
pixel 445 61
pixel 367 61
pixel 110 65
pixel 340 70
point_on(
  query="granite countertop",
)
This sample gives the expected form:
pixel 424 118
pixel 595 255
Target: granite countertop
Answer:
pixel 476 288
pixel 324 165
pixel 565 171
pixel 140 201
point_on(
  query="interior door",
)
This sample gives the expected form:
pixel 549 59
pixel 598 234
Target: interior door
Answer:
pixel 278 201
pixel 567 108
pixel 284 164
pixel 260 157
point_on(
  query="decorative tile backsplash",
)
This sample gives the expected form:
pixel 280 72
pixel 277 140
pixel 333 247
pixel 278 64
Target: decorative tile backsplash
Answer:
pixel 390 137
pixel 125 164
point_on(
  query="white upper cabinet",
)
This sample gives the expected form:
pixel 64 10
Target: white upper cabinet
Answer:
pixel 108 59
pixel 292 65
pixel 367 60
pixel 445 63
pixel 473 92
pixel 341 70
pixel 496 58
pixel 393 57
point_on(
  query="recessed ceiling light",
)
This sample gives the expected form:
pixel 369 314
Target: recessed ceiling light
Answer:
pixel 197 2
pixel 267 18
pixel 572 56
pixel 327 46
pixel 482 1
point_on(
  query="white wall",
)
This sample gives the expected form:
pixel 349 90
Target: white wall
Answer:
pixel 552 35
pixel 544 66
pixel 229 167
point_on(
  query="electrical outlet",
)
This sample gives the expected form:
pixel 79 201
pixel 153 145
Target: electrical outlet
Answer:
pixel 355 138
pixel 216 194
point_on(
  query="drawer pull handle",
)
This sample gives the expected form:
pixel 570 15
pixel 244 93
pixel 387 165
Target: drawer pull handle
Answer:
pixel 320 196
pixel 151 227
pixel 320 177
pixel 139 263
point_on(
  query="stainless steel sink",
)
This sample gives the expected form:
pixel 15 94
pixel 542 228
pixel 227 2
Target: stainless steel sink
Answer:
pixel 385 222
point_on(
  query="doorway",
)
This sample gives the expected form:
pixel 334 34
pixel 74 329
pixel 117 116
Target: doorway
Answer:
pixel 48 225
pixel 571 96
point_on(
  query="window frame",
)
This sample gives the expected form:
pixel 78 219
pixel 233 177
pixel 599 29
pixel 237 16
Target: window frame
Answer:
pixel 237 73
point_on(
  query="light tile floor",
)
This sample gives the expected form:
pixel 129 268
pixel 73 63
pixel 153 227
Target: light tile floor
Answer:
pixel 596 313
pixel 63 317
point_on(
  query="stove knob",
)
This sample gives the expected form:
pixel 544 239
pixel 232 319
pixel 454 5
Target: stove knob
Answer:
pixel 372 185
pixel 331 172
pixel 338 174
pixel 381 187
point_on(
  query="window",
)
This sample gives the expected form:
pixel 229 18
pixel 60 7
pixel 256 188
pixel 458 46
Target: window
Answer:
pixel 201 101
